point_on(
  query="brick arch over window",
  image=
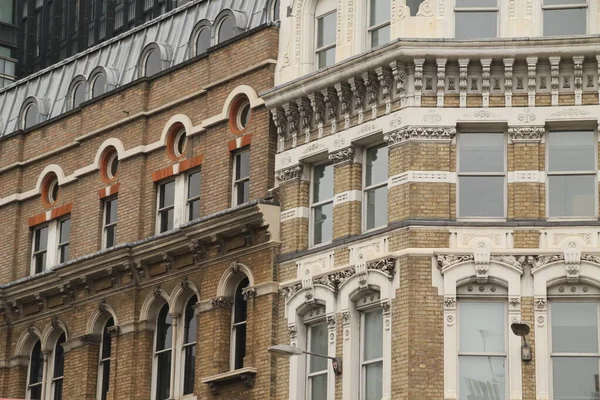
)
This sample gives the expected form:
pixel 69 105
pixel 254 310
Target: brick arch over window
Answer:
pixel 50 169
pixel 177 122
pixel 111 142
pixel 99 317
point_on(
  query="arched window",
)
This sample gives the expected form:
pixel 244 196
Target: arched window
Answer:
pixel 371 353
pixel 31 116
pixel 238 338
pixel 203 41
pixel 104 364
pixel 78 95
pixel 226 29
pixel 275 11
pixel 152 63
pixel 326 28
pixel 58 369
pixel 98 85
pixel 379 22
pixel 36 372
pixel 162 353
pixel 189 346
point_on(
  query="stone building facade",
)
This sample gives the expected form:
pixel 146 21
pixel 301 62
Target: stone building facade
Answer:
pixel 140 235
pixel 436 188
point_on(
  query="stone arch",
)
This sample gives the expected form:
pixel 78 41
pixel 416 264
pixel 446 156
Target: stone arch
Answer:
pixel 52 332
pixel 99 317
pixel 111 142
pixel 175 122
pixel 182 294
pixel 26 341
pixel 52 168
pixel 232 276
pixel 151 306
pixel 376 281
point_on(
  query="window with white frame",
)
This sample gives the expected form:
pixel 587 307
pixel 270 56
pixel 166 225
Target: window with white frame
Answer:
pixel 326 30
pixel 110 222
pixel 371 354
pixel 322 204
pixel 241 177
pixel 476 19
pixel 572 172
pixel 375 187
pixel 58 368
pixel 575 351
pixel 178 201
pixel 50 245
pixel 238 328
pixel 163 341
pixel 481 175
pixel 317 367
pixel 104 364
pixel 35 376
pixel 482 349
pixel 379 22
pixel 564 17
pixel 188 346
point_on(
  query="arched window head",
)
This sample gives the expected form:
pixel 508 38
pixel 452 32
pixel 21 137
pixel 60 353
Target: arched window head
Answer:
pixel 152 63
pixel 275 11
pixel 36 372
pixel 189 346
pixel 58 369
pixel 78 94
pixel 163 341
pixel 325 35
pixel 104 365
pixel 226 29
pixel 238 338
pixel 203 41
pixel 98 85
pixel 31 116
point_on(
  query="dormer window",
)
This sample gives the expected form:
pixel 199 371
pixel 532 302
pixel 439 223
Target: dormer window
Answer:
pixel 31 116
pixel 226 29
pixel 98 85
pixel 152 65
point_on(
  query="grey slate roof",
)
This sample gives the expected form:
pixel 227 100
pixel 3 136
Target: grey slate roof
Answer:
pixel 121 54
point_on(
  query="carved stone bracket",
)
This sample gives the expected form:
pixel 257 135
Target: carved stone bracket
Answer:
pixel 280 123
pixel 318 107
pixel 463 64
pixel 331 101
pixel 345 96
pixel 358 91
pixel 335 279
pixel 554 78
pixel 419 133
pixel 221 302
pixel 540 303
pixel 514 303
pixel 92 339
pixel 531 80
pixel 386 265
pixel 400 77
pixel 289 291
pixel 249 292
pixel 344 155
pixel 526 134
pixel 198 249
pixel 288 174
pixel 508 81
pixel 450 303
pixel 305 112
pixel 291 115
pixel 485 81
pixel 418 84
pixel 113 331
pixel 293 331
pixel 386 80
pixel 441 80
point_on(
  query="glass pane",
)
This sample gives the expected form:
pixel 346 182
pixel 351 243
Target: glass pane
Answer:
pixel 203 42
pixel 242 165
pixel 99 86
pixel 476 3
pixel 481 196
pixel 481 327
pixel 572 151
pixel 78 95
pixel 377 165
pixel 189 333
pixel 59 357
pixel 318 387
pixel 240 345
pixel 318 345
pixel 6 11
pixel 41 239
pixel 373 331
pixel 164 329
pixel 105 379
pixel 166 220
pixel 575 378
pixel 37 364
pixel 476 24
pixel 40 262
pixel 380 12
pixel 114 166
pixel 64 253
pixel 481 152
pixel 167 194
pixel 153 63
pixel 326 29
pixel 243 192
pixel 189 369
pixel 36 392
pixel 65 230
pixel 326 58
pixel 565 22
pixel 322 182
pixel 111 236
pixel 226 30
pixel 163 376
pixel 240 313
pixel 380 36
pixel 31 116
pixel 482 378
pixel 574 327
pixel 373 381
pixel 572 196
pixel 377 207
pixel 323 223
pixel 194 185
pixel 58 389
pixel 194 209
pixel 111 211
pixel 106 339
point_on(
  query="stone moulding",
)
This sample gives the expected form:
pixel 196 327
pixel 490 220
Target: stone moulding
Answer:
pixel 343 155
pixel 526 134
pixel 294 172
pixel 418 133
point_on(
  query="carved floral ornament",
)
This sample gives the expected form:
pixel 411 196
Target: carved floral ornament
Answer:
pixel 410 133
pixel 287 174
pixel 343 155
pixel 526 134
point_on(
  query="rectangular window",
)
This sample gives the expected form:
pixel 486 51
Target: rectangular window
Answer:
pixel 375 187
pixel 475 19
pixel 63 240
pixel 322 204
pixel 241 184
pixel 193 195
pixel 481 175
pixel 317 366
pixel 166 206
pixel 482 350
pixel 564 17
pixel 372 355
pixel 379 22
pixel 575 355
pixel 572 174
pixel 6 11
pixel 110 222
pixel 326 37
pixel 40 249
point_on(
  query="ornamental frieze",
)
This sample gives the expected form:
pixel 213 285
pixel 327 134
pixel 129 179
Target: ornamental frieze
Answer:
pixel 419 133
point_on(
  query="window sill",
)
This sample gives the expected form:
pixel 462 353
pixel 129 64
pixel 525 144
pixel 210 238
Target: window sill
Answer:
pixel 245 374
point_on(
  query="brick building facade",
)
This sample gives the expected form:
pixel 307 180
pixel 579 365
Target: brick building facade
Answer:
pixel 139 254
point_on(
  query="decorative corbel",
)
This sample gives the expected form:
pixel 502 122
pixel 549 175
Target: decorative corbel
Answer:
pixel 249 292
pixel 463 66
pixel 293 331
pixel 508 82
pixel 305 111
pixel 168 261
pixel 343 155
pixel 280 121
pixel 345 96
pixel 331 324
pixel 578 79
pixel 221 302
pixel 441 80
pixel 86 284
pixel 17 308
pixel 185 283
pixel 102 306
pixel 318 107
pixel 400 77
pixel 287 174
pixel 358 92
pixel 307 286
pixel 331 101
pixel 291 115
pixel 572 256
pixel 54 322
pixel 198 249
pixel 156 292
pixel 41 301
pixel 531 81
pixel 372 85
pixel 386 81
pixel 485 81
pixel 481 258
pixel 113 331
pixel 554 78
pixel 418 80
